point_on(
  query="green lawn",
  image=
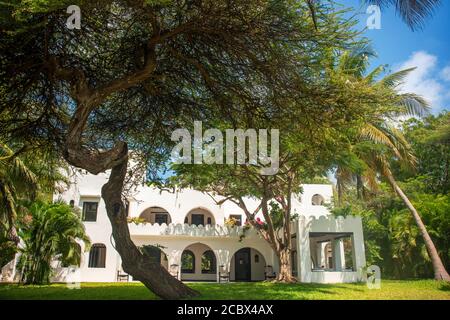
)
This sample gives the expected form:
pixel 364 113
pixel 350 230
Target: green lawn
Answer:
pixel 390 290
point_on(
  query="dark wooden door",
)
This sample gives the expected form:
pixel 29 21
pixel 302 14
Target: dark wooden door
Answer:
pixel 242 266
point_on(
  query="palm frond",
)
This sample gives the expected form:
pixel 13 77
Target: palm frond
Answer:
pixel 8 204
pixel 375 73
pixel 414 105
pixel 394 79
pixel 378 136
pixel 356 61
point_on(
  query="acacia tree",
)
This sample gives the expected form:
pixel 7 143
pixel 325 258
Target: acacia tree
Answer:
pixel 136 70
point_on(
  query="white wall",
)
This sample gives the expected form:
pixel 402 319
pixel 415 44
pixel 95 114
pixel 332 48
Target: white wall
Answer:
pixel 329 224
pixel 177 236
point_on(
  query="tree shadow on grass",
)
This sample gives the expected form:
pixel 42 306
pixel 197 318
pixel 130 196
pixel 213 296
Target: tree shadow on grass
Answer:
pixel 271 291
pixel 210 291
pixel 88 291
pixel 444 286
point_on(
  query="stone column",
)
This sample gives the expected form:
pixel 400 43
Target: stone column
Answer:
pixel 303 251
pixel 223 258
pixel 174 257
pixel 338 254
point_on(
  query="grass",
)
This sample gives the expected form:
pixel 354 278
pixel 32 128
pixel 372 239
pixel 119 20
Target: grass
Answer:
pixel 390 290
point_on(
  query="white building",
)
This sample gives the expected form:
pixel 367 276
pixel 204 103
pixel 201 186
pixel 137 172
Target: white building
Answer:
pixel 196 245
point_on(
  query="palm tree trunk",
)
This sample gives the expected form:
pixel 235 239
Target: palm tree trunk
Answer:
pixel 359 187
pixel 439 270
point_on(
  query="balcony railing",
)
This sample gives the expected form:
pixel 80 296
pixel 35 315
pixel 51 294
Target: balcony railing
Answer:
pixel 148 229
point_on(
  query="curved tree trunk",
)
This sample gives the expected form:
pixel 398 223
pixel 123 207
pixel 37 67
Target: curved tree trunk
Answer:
pixel 439 270
pixel 140 267
pixel 151 274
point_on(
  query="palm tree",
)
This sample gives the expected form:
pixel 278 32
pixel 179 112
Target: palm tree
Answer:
pixel 379 141
pixel 24 175
pixel 15 178
pixel 55 232
pixel 413 12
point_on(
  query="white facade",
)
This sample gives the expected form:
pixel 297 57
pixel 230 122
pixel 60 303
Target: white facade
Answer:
pixel 327 250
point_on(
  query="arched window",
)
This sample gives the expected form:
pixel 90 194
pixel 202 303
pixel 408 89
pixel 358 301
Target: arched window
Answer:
pixel 97 256
pixel 199 216
pixel 208 262
pixel 317 200
pixel 188 262
pixel 156 215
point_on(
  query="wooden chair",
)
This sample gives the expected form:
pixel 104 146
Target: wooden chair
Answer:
pixel 224 275
pixel 122 276
pixel 269 273
pixel 173 270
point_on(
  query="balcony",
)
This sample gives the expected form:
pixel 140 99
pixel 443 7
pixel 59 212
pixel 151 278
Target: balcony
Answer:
pixel 148 229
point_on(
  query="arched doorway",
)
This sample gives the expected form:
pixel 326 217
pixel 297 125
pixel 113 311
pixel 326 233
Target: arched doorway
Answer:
pixel 247 264
pixel 199 216
pixel 156 215
pixel 198 263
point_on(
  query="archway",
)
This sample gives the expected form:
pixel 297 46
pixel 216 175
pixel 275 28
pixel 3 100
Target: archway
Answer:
pixel 156 215
pixel 198 263
pixel 247 264
pixel 199 216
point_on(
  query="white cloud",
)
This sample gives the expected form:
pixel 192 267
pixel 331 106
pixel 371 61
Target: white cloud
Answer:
pixel 445 73
pixel 423 80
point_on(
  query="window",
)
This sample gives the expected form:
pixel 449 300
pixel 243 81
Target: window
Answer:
pixel 256 258
pixel 238 219
pixel 209 262
pixel 155 215
pixel 317 200
pixel 97 256
pixel 187 262
pixel 90 211
pixel 127 208
pixel 161 218
pixel 198 219
pixel 294 262
pixel 208 221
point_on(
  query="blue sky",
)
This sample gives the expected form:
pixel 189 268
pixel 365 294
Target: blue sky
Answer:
pixel 427 49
